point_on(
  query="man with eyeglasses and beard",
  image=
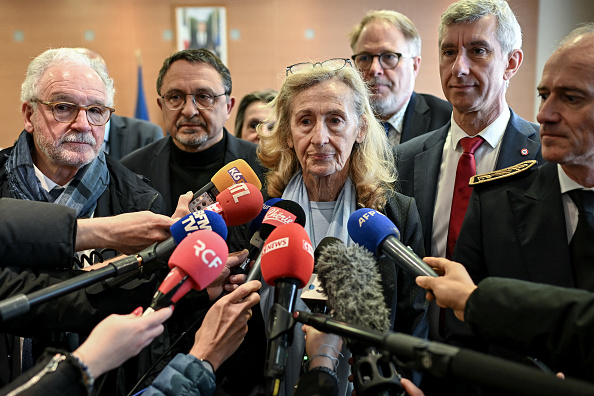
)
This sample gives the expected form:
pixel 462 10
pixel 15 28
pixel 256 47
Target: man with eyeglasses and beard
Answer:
pixel 67 99
pixel 194 88
pixel 387 51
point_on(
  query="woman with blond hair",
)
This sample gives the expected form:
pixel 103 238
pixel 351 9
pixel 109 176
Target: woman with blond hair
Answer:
pixel 328 153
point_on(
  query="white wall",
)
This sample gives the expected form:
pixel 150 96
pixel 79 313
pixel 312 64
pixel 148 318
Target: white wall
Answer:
pixel 556 19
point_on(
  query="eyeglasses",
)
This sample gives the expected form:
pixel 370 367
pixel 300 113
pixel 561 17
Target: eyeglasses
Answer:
pixel 67 112
pixel 387 60
pixel 332 64
pixel 175 100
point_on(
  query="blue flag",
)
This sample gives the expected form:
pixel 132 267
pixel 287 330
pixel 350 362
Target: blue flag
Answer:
pixel 141 109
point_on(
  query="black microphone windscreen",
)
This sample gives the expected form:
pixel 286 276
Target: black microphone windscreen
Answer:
pixel 352 283
pixel 287 205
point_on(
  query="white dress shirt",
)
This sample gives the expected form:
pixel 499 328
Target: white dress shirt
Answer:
pixel 486 159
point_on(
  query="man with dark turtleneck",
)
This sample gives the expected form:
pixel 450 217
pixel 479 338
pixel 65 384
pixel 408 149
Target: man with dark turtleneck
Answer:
pixel 194 89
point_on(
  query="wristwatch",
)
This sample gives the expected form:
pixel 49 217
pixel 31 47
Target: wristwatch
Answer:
pixel 207 365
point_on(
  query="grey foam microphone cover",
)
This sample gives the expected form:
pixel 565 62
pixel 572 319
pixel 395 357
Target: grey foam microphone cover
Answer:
pixel 350 279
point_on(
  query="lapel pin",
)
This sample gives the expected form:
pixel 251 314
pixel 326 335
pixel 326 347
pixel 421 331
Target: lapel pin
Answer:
pixel 524 151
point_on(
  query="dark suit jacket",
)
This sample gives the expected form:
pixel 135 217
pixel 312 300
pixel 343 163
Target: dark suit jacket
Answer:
pixel 153 162
pixel 515 228
pixel 423 114
pixel 418 162
pixel 128 134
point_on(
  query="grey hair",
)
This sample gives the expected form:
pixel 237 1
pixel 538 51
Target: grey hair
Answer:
pixel 401 21
pixel 509 32
pixel 62 57
pixel 583 29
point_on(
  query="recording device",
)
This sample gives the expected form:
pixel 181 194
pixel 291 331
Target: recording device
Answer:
pixel 282 212
pixel 379 235
pixel 238 204
pixel 350 279
pixel 144 261
pixel 287 264
pixel 313 294
pixel 196 263
pixel 234 172
pixel 444 360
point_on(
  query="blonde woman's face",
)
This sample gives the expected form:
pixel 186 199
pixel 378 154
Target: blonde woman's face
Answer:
pixel 324 128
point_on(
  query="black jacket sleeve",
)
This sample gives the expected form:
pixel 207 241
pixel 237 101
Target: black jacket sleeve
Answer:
pixel 551 323
pixel 36 234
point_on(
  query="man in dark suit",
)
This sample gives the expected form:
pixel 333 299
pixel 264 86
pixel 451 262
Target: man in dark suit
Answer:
pixel 474 78
pixel 525 226
pixel 476 63
pixel 393 39
pixel 194 89
pixel 124 135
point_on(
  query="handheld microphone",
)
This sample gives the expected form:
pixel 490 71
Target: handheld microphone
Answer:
pixel 234 172
pixel 287 264
pixel 195 263
pixel 238 204
pixel 379 235
pixel 282 212
pixel 350 279
pixel 142 261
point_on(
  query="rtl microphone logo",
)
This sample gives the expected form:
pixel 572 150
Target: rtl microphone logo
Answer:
pixel 236 175
pixel 276 244
pixel 277 216
pixel 239 190
pixel 208 256
pixel 197 221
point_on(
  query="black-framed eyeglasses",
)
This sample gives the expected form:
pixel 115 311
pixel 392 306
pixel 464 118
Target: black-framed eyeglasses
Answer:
pixel 67 112
pixel 387 60
pixel 176 100
pixel 332 64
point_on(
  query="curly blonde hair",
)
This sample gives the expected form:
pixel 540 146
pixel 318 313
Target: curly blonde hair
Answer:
pixel 372 167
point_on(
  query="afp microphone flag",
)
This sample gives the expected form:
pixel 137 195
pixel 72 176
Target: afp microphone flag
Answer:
pixel 141 111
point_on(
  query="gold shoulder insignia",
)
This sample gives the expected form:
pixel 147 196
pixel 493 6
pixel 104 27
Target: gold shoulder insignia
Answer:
pixel 501 173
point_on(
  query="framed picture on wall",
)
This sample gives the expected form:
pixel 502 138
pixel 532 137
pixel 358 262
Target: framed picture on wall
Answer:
pixel 202 27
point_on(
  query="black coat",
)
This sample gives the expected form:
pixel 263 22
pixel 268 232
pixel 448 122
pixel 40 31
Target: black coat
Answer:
pixel 423 114
pixel 129 134
pixel 153 162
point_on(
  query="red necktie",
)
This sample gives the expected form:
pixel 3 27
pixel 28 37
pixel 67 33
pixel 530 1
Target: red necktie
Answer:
pixel 466 169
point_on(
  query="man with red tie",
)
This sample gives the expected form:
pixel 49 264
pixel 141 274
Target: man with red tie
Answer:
pixel 479 52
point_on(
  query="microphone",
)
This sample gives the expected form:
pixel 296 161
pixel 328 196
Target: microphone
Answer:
pixel 287 264
pixel 256 241
pixel 282 212
pixel 444 360
pixel 313 294
pixel 379 235
pixel 234 172
pixel 200 220
pixel 257 221
pixel 195 263
pixel 350 279
pixel 238 204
